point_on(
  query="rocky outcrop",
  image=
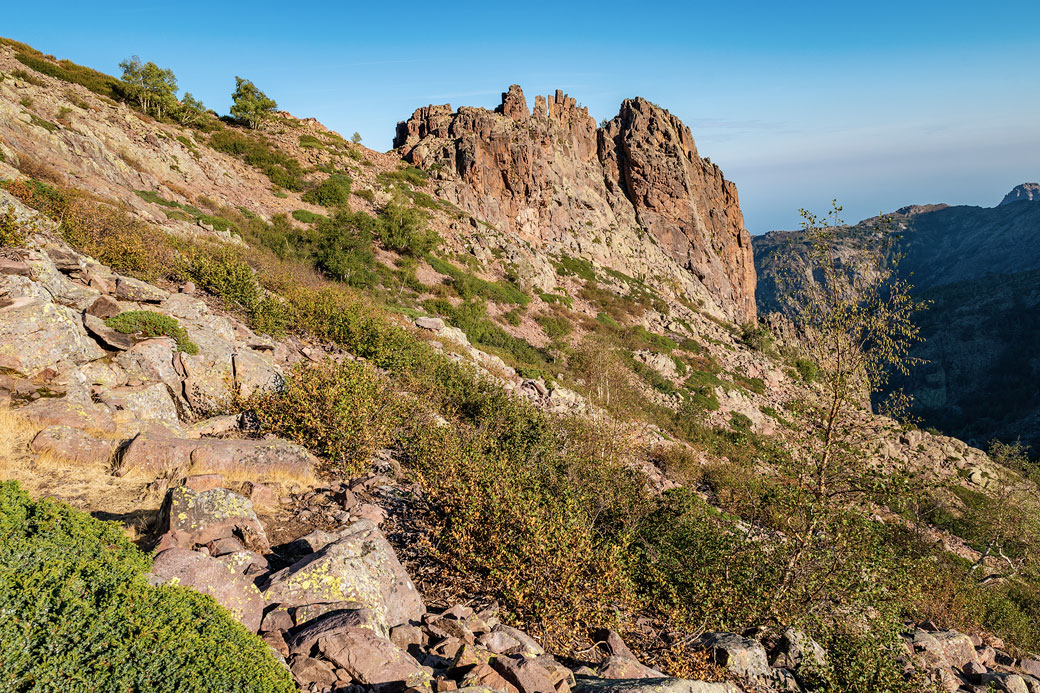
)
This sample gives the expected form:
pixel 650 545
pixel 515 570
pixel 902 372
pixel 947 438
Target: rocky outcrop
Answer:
pixel 555 179
pixel 1026 192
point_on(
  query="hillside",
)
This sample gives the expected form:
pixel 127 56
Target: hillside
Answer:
pixel 491 411
pixel 978 267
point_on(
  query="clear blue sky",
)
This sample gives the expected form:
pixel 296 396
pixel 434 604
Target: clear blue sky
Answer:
pixel 877 104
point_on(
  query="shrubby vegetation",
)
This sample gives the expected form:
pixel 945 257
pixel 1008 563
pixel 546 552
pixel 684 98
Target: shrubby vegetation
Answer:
pixel 149 324
pixel 79 613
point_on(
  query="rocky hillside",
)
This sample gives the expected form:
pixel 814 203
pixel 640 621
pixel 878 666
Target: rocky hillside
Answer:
pixel 493 416
pixel 633 195
pixel 978 266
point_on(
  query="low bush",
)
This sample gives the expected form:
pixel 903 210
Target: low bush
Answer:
pixel 79 614
pixel 334 191
pixel 223 273
pixel 147 324
pixel 302 215
pixel 66 70
pixel 469 286
pixel 341 412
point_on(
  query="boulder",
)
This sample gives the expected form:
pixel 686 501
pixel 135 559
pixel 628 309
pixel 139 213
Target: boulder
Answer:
pixel 128 289
pixel 36 334
pixel 86 416
pixel 111 338
pixel 618 667
pixel 957 647
pixel 432 324
pixel 361 567
pixel 739 655
pixel 255 372
pixel 209 576
pixel 203 517
pixel 104 307
pixel 150 403
pixel 308 670
pixel 528 676
pixel 372 660
pixel 529 647
pixel 796 648
pixel 73 445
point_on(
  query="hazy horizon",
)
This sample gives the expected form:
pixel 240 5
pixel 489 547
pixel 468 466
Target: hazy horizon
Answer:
pixel 878 108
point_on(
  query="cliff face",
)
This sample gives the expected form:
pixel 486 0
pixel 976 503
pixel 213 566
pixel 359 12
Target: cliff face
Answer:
pixel 552 177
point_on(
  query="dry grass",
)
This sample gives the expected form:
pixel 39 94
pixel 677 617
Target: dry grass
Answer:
pixel 88 487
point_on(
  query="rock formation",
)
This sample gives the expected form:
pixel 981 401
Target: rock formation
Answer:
pixel 552 176
pixel 1026 191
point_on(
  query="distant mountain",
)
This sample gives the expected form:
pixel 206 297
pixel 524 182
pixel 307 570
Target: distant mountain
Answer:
pixel 980 267
pixel 1027 192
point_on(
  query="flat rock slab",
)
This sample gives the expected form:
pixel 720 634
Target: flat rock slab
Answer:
pixel 233 591
pixel 359 567
pixel 73 445
pixel 275 457
pixel 587 684
pixel 128 289
pixel 85 416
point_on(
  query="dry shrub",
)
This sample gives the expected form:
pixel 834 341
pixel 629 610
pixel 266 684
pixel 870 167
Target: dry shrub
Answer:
pixel 343 412
pixel 679 463
pixel 179 190
pixel 131 160
pixel 38 170
pixel 106 231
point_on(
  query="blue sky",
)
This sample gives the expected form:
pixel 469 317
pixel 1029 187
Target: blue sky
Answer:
pixel 876 104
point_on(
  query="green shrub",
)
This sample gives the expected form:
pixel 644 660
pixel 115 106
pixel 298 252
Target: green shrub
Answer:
pixel 310 142
pixel 334 191
pixel 410 176
pixel 149 324
pixel 307 217
pixel 403 229
pixel 567 266
pixel 79 614
pixel 807 369
pixel 469 286
pixel 66 70
pixel 26 76
pixel 224 274
pixel 757 337
pixel 341 412
pixel 344 248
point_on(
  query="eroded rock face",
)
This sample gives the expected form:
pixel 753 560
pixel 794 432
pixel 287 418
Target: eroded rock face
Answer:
pixel 553 178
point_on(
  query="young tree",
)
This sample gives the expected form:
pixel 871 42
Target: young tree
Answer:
pixel 356 138
pixel 190 111
pixel 853 313
pixel 251 105
pixel 152 87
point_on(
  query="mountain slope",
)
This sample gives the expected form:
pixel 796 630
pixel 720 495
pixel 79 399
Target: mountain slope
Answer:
pixel 979 267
